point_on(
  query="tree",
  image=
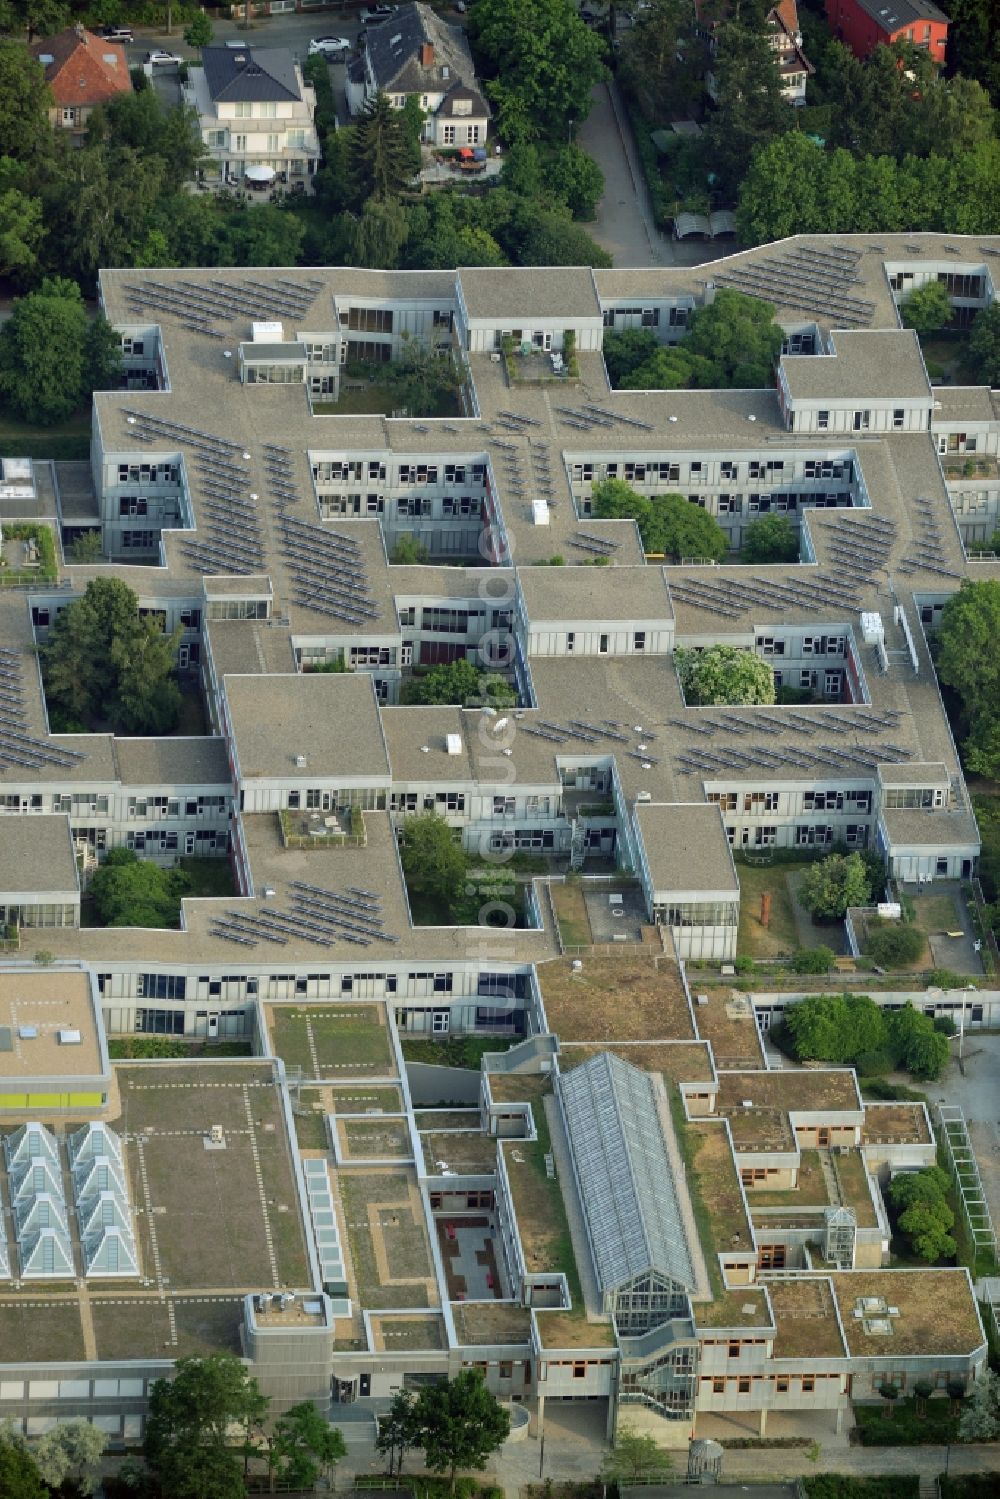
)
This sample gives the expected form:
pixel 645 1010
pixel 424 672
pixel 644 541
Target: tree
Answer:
pixel 434 862
pixel 22 233
pixel 636 1457
pixel 50 360
pixel 770 538
pixel 19 1476
pixel 460 1424
pixel 86 547
pixel 980 1419
pixel 920 1200
pixel 129 891
pixel 381 152
pixel 396 1431
pixel 927 308
pixel 813 960
pixel 649 65
pixel 263 235
pixel 968 661
pixel 751 108
pixel 541 63
pixel 984 345
pixel 199 30
pixel 668 523
pixel 916 1044
pixel 893 944
pixel 724 674
pixel 379 233
pixel 739 334
pixel 305 1445
pixel 24 104
pixel 100 207
pixel 547 236
pixel 460 682
pixel 576 178
pixel 836 882
pixel 627 349
pixel 186 1444
pixel 409 552
pixel 102 661
pixel 71 1454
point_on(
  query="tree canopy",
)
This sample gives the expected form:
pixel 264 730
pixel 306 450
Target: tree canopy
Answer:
pixel 187 1441
pixel 920 1200
pixel 927 308
pixel 750 106
pixel 852 1030
pixel 636 1457
pixel 434 862
pixel 732 342
pixel 833 884
pixel 70 1454
pixel 105 663
pixel 52 355
pixel 459 1424
pixel 540 62
pixel 129 891
pixel 770 538
pixel 668 523
pixel 984 345
pixel 968 661
pixel 460 682
pixel 980 1418
pixel 24 103
pixel 382 160
pixel 19 1475
pixel 724 674
pixel 305 1446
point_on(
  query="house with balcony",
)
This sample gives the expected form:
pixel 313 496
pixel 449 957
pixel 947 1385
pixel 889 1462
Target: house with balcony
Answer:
pixel 83 71
pixel 415 54
pixel 255 115
pixel 784 35
pixel 864 25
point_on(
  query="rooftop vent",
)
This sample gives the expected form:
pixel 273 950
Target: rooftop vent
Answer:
pixel 300 761
pixel 27 1032
pixel 453 743
pixel 69 1038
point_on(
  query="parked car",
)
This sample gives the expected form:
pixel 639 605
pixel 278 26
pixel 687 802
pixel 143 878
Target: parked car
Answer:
pixel 372 15
pixel 329 46
pixel 161 59
pixel 116 33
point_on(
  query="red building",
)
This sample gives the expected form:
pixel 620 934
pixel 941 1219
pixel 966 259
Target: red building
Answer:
pixel 866 24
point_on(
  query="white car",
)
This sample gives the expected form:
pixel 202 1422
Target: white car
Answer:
pixel 372 15
pixel 161 59
pixel 328 46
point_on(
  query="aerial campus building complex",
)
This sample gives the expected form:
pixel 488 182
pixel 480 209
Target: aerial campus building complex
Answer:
pixel 348 1220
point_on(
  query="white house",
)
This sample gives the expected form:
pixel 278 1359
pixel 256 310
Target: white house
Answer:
pixel 415 53
pixel 254 112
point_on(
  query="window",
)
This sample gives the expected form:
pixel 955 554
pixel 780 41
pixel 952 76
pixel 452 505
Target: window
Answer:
pixel 718 1386
pixel 743 1385
pixel 579 1371
pixel 639 640
pixel 734 1348
pixel 603 645
pixel 898 417
pixel 808 1384
pixel 781 1384
pixel 862 421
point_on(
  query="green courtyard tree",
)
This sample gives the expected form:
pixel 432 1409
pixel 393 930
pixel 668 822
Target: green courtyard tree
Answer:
pixel 103 662
pixel 19 1476
pixel 894 944
pixel 187 1440
pixel 668 523
pixel 836 882
pixel 839 1028
pixel 969 662
pixel 50 359
pixel 770 538
pixel 739 334
pixel 305 1447
pixel 460 1424
pixel 540 62
pixel 927 308
pixel 636 1457
pixel 920 1199
pixel 129 891
pixel 724 674
pixel 434 861
pixel 916 1044
pixel 397 1431
pixel 984 345
pixel 460 682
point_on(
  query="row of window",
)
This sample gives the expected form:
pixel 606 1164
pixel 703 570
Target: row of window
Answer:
pixel 855 835
pixel 147 473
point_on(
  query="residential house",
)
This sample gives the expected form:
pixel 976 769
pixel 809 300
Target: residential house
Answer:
pixel 416 54
pixel 83 71
pixel 254 111
pixel 786 41
pixel 866 24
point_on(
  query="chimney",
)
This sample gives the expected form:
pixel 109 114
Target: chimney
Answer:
pixel 426 54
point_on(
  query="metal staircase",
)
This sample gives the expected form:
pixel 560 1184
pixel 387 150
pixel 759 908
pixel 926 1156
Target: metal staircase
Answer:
pixel 577 844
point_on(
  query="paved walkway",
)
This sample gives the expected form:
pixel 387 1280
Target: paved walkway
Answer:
pixel 623 225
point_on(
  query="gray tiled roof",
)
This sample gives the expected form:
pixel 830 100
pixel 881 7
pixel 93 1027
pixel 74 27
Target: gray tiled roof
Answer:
pixel 256 75
pixel 394 53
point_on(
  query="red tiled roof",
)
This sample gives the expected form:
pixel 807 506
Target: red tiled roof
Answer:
pixel 80 72
pixel 787 13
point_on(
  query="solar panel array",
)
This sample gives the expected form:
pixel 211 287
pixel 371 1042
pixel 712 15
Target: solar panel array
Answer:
pixel 587 416
pixel 730 599
pixel 327 571
pixel 848 755
pixel 230 538
pixel 319 916
pixel 813 280
pixel 18 747
pixel 860 542
pixel 199 305
pixel 925 553
pixel 600 546
pixel 584 731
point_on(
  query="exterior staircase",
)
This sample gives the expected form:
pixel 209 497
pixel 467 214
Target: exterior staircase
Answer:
pixel 577 844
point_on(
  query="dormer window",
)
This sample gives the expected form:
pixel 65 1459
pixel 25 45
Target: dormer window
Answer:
pixel 462 107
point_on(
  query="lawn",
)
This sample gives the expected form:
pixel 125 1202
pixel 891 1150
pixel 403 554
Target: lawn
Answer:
pixel 944 354
pixel 381 400
pixel 66 441
pixel 780 936
pixel 455 1051
pixel 903 1427
pixel 211 879
pixel 571 914
pixel 327 1042
pixel 386 1195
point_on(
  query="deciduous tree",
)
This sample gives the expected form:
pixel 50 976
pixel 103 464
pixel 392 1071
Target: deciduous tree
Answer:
pixel 459 682
pixel 50 360
pixel 984 345
pixel 836 882
pixel 541 63
pixel 19 1476
pixel 70 1454
pixel 186 1444
pixel 770 538
pixel 25 131
pixel 129 891
pixel 397 1431
pixel 980 1418
pixel 636 1457
pixel 969 662
pixel 199 30
pixel 724 674
pixel 460 1424
pixel 927 308
pixel 434 862
pixel 305 1446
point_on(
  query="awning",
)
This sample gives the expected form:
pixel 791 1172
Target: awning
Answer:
pixel 260 174
pixel 466 153
pixel 479 154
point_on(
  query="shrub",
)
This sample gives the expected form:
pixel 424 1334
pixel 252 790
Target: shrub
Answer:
pixel 813 960
pixel 893 944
